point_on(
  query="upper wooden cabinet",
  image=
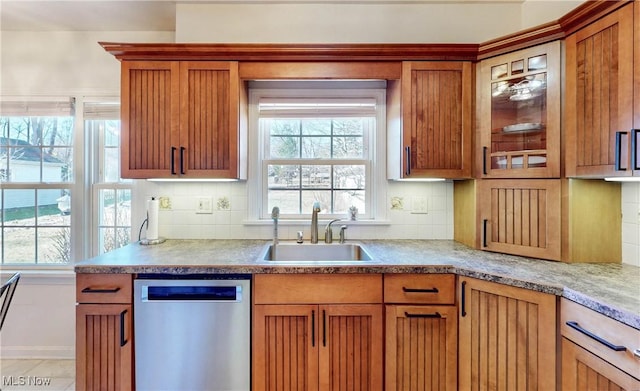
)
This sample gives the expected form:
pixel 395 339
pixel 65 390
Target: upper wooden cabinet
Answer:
pixel 599 103
pixel 519 114
pixel 180 119
pixel 433 137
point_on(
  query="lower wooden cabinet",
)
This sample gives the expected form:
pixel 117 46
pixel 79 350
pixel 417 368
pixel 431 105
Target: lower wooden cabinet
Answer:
pixel 104 332
pixel 598 353
pixel 104 353
pixel 507 337
pixel 421 348
pixel 317 345
pixel 584 371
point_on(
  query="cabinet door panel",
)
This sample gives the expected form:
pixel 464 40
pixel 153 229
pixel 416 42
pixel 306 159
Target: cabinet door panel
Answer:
pixel 149 118
pixel 599 96
pixel 209 118
pixel 584 371
pixel 351 347
pixel 103 347
pixel 285 347
pixel 507 337
pixel 422 349
pixel 521 217
pixel 437 119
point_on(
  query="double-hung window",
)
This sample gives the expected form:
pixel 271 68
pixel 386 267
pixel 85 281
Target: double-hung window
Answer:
pixel 317 145
pixel 37 177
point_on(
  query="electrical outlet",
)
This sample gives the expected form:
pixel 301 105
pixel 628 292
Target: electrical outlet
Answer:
pixel 165 203
pixel 204 205
pixel 419 205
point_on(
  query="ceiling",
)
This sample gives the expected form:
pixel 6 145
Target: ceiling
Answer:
pixel 132 15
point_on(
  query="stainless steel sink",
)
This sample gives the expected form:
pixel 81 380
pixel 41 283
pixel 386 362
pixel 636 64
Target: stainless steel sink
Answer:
pixel 321 252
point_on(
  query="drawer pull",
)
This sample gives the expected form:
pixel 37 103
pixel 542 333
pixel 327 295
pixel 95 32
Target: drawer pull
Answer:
pixel 102 290
pixel 436 315
pixel 420 290
pixel 636 353
pixel 577 327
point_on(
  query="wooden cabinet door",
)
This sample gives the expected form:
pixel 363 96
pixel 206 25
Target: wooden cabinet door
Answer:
pixel 636 89
pixel 149 113
pixel 351 347
pixel 521 217
pixel 421 348
pixel 507 337
pixel 436 119
pixel 285 347
pixel 104 354
pixel 209 102
pixel 584 371
pixel 599 97
pixel 519 114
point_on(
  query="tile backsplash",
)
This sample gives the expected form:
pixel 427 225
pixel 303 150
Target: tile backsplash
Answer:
pixel 413 211
pixel 631 223
pixel 406 203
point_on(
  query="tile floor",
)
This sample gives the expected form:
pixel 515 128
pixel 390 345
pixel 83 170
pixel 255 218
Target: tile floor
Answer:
pixel 35 375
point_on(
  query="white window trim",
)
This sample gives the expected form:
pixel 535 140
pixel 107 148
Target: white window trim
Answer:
pixel 377 153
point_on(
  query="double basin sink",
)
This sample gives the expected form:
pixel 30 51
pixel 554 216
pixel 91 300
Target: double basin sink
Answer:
pixel 321 252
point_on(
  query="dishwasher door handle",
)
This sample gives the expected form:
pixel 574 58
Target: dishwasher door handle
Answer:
pixel 187 293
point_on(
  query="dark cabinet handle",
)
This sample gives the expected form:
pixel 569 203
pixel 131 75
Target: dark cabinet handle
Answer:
pixel 313 328
pixel 420 290
pixel 618 152
pixel 576 326
pixel 324 328
pixel 182 160
pixel 123 341
pixel 100 290
pixel 634 149
pixel 436 315
pixel 407 170
pixel 484 160
pixel 173 160
pixel 463 299
pixel 485 222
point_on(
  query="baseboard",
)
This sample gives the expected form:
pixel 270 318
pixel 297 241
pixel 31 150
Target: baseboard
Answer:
pixel 38 352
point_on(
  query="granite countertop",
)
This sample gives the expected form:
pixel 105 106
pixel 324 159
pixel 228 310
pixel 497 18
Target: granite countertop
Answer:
pixel 610 289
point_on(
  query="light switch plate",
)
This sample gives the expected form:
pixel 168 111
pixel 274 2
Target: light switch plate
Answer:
pixel 419 205
pixel 204 205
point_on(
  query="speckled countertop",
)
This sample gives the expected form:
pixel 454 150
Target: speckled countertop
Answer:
pixel 611 289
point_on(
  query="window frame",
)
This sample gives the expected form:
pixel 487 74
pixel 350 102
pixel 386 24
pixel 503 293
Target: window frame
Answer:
pixel 323 90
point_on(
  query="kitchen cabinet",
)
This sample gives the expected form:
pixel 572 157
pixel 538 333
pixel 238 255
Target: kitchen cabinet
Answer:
pixel 507 337
pixel 519 114
pixel 430 120
pixel 181 119
pixel 421 332
pixel 598 353
pixel 104 333
pixel 602 115
pixel 521 216
pixel 317 332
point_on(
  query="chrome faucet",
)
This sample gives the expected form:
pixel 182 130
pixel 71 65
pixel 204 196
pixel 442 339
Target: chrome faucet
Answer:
pixel 342 235
pixel 314 222
pixel 275 214
pixel 328 232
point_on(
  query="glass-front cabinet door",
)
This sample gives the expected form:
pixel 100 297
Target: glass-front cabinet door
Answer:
pixel 519 114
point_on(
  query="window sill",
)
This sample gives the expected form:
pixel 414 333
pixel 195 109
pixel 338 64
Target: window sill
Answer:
pixel 321 222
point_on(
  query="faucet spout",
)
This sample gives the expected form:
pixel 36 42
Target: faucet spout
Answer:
pixel 328 232
pixel 314 222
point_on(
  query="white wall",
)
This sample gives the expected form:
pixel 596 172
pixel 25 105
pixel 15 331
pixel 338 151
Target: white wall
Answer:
pixel 537 12
pixel 337 22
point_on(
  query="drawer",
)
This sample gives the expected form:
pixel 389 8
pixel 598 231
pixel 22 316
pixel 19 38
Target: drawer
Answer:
pixel 607 338
pixel 317 288
pixel 420 288
pixel 104 288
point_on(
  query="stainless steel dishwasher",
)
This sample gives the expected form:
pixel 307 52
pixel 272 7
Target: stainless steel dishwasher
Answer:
pixel 192 333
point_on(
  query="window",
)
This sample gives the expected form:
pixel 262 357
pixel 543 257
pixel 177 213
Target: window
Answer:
pixel 36 170
pixel 317 144
pixel 111 195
